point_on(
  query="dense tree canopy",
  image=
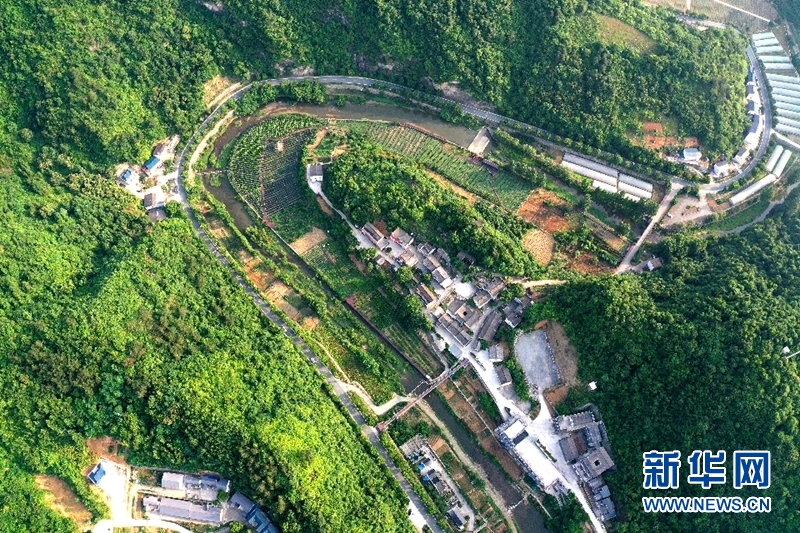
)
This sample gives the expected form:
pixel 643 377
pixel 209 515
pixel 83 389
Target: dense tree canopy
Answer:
pixel 113 326
pixel 690 359
pixel 371 185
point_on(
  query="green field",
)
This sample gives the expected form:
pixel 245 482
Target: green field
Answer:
pixel 503 188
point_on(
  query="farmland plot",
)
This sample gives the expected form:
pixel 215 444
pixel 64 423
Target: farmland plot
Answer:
pixel 265 161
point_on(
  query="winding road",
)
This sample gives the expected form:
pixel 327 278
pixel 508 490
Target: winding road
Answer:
pixel 418 509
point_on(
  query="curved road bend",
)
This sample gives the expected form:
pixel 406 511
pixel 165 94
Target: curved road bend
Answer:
pixel 416 504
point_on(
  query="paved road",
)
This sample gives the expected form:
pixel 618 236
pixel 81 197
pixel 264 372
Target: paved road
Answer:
pixel 109 526
pixel 417 507
pixel 666 203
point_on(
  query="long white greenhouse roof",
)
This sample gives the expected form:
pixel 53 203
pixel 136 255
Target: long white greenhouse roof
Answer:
pixel 789 114
pixel 768 49
pixel 785 85
pixel 787 129
pixel 603 186
pixel 630 189
pixel 630 180
pixel 773 158
pixel 590 173
pixel 752 189
pixel 788 99
pixel 588 163
pixel 780 77
pixel 783 106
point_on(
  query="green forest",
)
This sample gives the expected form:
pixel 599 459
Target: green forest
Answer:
pixel 690 359
pixel 113 326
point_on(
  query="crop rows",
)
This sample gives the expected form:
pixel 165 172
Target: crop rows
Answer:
pixel 342 276
pixel 503 188
pixel 264 162
pixel 402 140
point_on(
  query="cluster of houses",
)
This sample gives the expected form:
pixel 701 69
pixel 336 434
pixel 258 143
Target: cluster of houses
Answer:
pixel 420 454
pixel 194 499
pixel 463 318
pixel 188 498
pixel 253 515
pixel 583 447
pixel 154 199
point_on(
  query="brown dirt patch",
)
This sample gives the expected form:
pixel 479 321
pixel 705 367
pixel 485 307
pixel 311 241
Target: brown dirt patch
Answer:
pixel 656 142
pixel 218 229
pixel 107 448
pixel 325 207
pixel 215 88
pixel 290 310
pixel 276 292
pixel 653 127
pixel 545 209
pixel 310 323
pixel 557 395
pixel 318 139
pixel 691 142
pixel 540 244
pixel 382 227
pixel 61 499
pixel 585 264
pixel 308 241
pixel 564 352
pixel 444 182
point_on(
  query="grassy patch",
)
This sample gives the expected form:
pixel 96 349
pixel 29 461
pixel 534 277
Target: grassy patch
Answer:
pixel 613 31
pixel 739 219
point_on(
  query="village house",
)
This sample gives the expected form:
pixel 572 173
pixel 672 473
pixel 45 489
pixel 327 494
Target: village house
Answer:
pixel 373 234
pixel 402 238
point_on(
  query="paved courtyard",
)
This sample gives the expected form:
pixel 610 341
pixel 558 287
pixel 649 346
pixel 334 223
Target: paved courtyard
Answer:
pixel 535 357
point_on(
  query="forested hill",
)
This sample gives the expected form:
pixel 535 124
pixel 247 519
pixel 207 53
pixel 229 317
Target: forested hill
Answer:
pixel 548 62
pixel 690 359
pixel 103 79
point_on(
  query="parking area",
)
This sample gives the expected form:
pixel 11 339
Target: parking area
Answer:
pixel 536 358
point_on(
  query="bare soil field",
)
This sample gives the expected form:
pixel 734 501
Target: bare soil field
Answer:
pixel 564 352
pixel 540 244
pixel 61 499
pixel 218 229
pixel 107 448
pixel 309 240
pixel 653 127
pixel 216 88
pixel 545 209
pixel 325 207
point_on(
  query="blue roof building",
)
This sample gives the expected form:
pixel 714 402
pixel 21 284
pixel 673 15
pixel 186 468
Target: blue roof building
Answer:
pixel 152 164
pixel 258 520
pixel 97 473
pixel 130 177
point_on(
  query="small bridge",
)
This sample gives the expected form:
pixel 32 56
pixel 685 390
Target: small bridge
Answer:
pixel 444 376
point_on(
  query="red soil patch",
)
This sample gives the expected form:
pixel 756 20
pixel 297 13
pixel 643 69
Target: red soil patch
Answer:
pixel 107 448
pixel 545 209
pixel 653 127
pixel 325 207
pixel 657 142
